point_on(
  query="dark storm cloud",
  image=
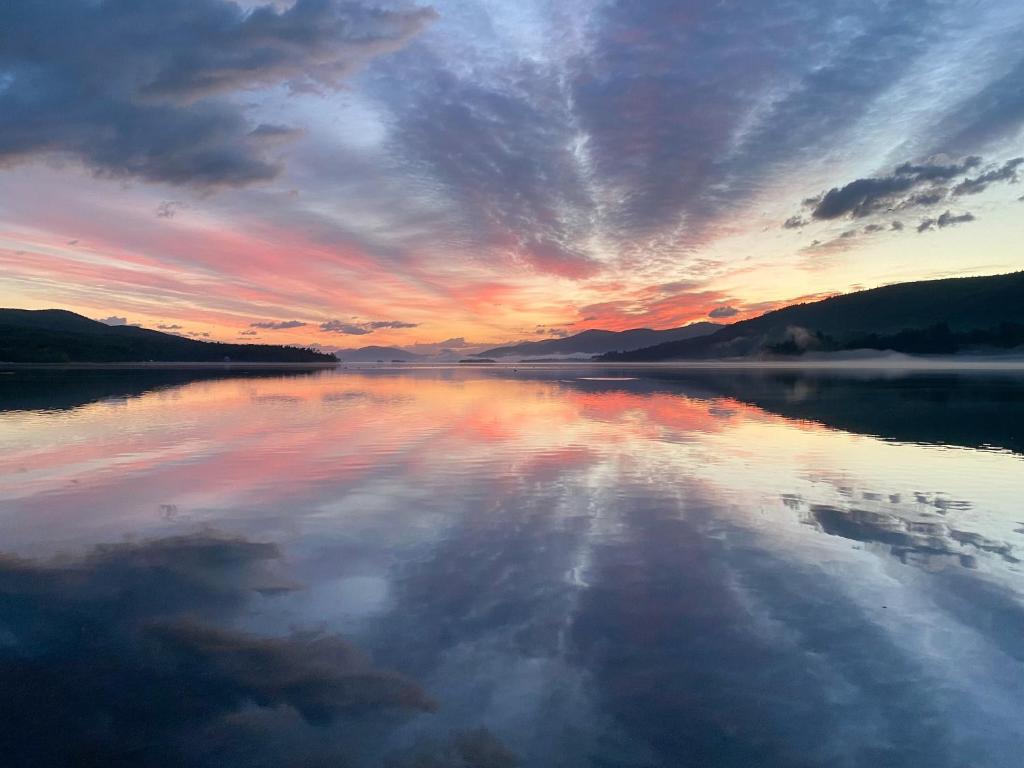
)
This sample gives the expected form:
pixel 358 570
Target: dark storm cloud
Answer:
pixel 142 88
pixel 278 325
pixel 355 328
pixel 863 197
pixel 720 312
pixel 1006 172
pixel 924 199
pixel 120 658
pixel 938 171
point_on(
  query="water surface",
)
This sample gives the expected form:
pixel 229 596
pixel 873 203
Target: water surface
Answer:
pixel 496 566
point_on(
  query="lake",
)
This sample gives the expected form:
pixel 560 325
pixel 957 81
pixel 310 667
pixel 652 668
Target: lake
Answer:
pixel 497 566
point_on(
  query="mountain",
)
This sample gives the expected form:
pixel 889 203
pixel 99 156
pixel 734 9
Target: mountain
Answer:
pixel 59 336
pixel 930 316
pixel 377 355
pixel 598 342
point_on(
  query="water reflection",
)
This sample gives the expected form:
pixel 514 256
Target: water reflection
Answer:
pixel 476 567
pixel 55 389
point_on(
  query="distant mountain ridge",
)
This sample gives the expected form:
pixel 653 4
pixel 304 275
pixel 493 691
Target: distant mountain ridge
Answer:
pixel 60 336
pixel 930 316
pixel 375 354
pixel 595 342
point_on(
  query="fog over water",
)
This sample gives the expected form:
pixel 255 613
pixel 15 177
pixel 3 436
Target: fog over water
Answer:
pixel 498 566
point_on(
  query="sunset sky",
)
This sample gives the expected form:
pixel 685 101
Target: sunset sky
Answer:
pixel 481 171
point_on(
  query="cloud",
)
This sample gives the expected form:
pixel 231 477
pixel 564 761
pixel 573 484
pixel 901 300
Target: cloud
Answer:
pixel 278 325
pixel 565 139
pixel 127 652
pixel 947 219
pixel 391 324
pixel 933 196
pixel 862 197
pixel 147 89
pixel 794 222
pixel 723 312
pixel 248 333
pixel 478 748
pixel 676 139
pixel 362 328
pixel 501 151
pixel 169 208
pixel 171 327
pixel 114 320
pixel 1007 172
pixel 632 126
pixel 984 117
pixel 272 133
pixel 339 326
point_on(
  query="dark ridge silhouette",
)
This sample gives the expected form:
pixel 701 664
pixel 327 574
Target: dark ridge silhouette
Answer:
pixel 57 336
pixel 935 340
pixel 930 316
pixel 597 342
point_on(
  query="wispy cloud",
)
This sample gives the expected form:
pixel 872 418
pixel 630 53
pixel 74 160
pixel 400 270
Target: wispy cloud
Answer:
pixel 113 320
pixel 719 313
pixel 354 328
pixel 947 219
pixel 278 325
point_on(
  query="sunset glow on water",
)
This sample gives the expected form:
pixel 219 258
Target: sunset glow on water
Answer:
pixel 598 568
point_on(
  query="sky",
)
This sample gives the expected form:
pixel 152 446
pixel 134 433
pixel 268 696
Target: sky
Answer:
pixel 468 172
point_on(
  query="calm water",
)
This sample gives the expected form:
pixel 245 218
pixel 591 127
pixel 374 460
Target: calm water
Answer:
pixel 496 567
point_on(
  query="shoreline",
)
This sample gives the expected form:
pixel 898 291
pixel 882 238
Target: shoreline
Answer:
pixel 1015 365
pixel 853 364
